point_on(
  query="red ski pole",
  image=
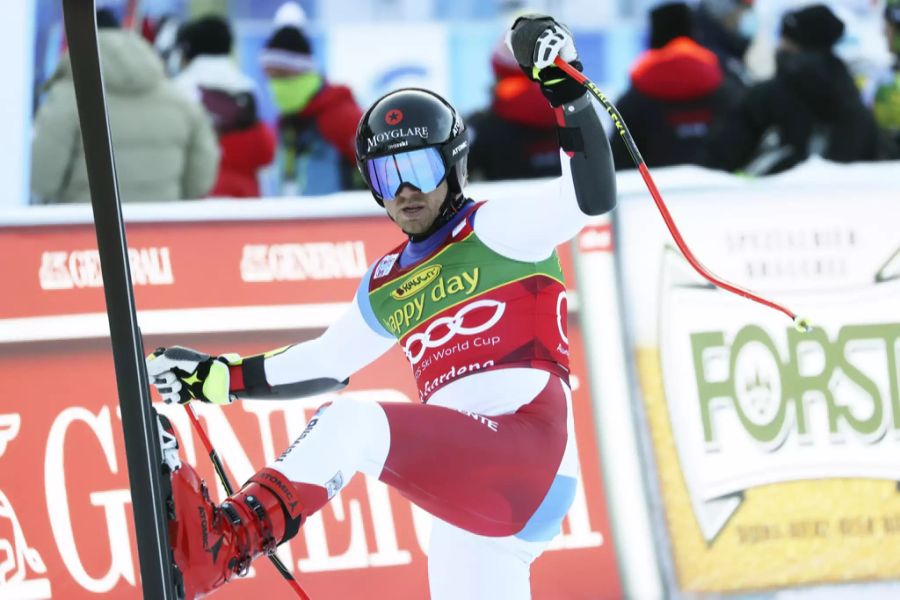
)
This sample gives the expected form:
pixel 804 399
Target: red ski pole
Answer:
pixel 229 489
pixel 800 323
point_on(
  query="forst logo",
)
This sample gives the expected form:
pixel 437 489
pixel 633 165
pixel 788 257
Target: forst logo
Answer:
pixel 416 282
pixel 771 394
pixel 393 116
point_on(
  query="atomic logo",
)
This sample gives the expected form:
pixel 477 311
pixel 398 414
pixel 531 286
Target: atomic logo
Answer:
pixel 393 116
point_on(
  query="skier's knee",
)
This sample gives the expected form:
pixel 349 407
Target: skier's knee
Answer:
pixel 345 409
pixel 363 427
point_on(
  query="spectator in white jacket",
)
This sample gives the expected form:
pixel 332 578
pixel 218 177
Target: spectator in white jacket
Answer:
pixel 164 144
pixel 212 78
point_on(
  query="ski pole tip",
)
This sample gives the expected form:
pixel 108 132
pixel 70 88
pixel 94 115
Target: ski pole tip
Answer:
pixel 802 324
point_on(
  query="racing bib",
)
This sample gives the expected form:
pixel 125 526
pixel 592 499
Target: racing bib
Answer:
pixel 465 309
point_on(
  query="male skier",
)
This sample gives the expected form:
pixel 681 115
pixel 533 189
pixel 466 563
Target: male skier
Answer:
pixel 476 299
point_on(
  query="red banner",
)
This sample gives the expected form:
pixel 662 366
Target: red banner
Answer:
pixel 65 521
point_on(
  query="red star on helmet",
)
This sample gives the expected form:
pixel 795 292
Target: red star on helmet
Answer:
pixel 393 116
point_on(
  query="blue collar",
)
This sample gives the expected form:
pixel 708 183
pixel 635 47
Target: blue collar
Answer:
pixel 416 251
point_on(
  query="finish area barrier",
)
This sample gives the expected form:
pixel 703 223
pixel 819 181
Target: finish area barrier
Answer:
pixel 721 451
pixel 226 276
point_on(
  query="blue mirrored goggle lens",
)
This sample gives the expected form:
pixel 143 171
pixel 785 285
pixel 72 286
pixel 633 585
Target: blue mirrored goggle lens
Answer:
pixel 421 168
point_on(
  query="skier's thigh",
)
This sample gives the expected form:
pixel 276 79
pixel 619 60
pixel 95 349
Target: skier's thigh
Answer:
pixel 475 567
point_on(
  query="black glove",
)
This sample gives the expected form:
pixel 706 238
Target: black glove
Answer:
pixel 535 41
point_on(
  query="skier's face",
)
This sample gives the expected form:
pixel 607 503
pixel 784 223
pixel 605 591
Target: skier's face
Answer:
pixel 413 210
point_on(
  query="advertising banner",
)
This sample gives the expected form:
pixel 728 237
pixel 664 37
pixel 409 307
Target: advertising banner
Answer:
pixel 777 452
pixel 242 286
pixel 396 55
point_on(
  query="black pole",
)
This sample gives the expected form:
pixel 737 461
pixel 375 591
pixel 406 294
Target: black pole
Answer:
pixel 148 488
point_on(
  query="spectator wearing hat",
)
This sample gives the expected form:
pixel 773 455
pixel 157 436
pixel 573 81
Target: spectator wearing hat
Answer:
pixel 317 120
pixel 211 78
pixel 810 107
pixel 887 93
pixel 515 137
pixel 165 145
pixel 726 27
pixel 678 90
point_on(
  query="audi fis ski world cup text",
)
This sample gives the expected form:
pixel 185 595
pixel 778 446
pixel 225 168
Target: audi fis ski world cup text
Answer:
pixel 418 344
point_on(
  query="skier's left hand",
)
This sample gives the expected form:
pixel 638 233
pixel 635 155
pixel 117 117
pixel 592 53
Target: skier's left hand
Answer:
pixel 181 375
pixel 536 41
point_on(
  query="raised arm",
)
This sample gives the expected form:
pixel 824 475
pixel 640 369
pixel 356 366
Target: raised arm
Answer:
pixel 530 226
pixel 317 366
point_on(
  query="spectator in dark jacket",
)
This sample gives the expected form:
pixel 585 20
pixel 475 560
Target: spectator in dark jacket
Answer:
pixel 810 107
pixel 212 78
pixel 677 92
pixel 726 27
pixel 165 145
pixel 317 122
pixel 515 137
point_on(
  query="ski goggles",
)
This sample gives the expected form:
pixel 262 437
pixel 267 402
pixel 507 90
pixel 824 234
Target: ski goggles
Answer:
pixel 423 169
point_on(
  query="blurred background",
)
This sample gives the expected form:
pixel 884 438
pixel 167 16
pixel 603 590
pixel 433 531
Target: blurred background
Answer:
pixel 371 47
pixel 724 454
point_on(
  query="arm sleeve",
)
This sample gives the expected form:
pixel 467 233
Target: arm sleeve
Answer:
pixel 352 342
pixel 528 227
pixel 344 348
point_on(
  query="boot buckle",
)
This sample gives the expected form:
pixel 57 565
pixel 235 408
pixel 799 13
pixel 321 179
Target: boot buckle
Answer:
pixel 231 512
pixel 242 565
pixel 268 543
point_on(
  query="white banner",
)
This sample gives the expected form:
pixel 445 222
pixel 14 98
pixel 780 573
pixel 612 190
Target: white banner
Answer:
pixel 754 402
pixel 373 59
pixel 776 453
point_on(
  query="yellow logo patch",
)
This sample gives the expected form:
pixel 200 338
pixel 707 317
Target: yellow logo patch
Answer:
pixel 415 282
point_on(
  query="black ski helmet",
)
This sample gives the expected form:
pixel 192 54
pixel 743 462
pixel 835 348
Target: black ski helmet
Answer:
pixel 409 119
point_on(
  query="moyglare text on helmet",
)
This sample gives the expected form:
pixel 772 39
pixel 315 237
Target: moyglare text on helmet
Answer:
pixel 400 132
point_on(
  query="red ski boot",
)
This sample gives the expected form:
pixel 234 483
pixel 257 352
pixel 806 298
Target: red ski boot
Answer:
pixel 212 544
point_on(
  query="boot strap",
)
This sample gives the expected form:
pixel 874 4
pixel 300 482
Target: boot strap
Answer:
pixel 231 513
pixel 268 543
pixel 282 489
pixel 241 564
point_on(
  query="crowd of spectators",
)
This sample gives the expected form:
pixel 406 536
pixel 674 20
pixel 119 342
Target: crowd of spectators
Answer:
pixel 692 100
pixel 678 90
pixel 185 120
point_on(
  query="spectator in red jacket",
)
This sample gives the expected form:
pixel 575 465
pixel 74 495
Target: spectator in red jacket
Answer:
pixel 317 120
pixel 212 78
pixel 516 136
pixel 678 91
